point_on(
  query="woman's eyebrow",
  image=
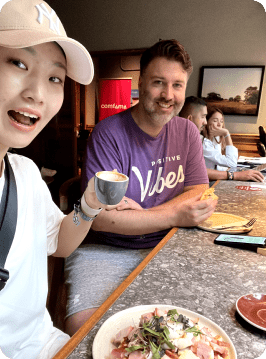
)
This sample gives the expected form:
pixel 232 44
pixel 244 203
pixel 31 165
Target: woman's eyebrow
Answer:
pixel 32 51
pixel 59 64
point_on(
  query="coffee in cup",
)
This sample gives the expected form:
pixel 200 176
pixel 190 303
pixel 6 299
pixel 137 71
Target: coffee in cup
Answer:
pixel 110 186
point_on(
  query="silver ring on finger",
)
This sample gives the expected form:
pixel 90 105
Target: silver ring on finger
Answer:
pixel 126 202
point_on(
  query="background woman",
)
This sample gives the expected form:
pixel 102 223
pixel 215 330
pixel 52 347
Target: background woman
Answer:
pixel 218 149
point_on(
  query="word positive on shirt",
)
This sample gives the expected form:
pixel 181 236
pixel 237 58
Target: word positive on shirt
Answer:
pixel 166 159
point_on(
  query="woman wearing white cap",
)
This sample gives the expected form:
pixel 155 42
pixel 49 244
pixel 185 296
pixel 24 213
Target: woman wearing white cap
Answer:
pixel 35 57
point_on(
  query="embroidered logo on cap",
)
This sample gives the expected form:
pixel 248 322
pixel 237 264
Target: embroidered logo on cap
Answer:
pixel 43 11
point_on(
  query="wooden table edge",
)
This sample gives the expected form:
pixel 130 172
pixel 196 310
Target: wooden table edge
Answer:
pixel 215 184
pixel 71 345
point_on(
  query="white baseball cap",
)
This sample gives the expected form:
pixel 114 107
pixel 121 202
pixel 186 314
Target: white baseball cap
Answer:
pixel 25 23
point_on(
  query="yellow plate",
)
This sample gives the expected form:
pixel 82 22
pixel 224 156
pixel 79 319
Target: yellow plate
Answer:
pixel 218 220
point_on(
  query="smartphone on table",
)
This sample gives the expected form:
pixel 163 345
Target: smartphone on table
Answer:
pixel 245 242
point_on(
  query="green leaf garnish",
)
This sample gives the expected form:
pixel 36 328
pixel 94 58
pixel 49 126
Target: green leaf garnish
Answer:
pixel 155 333
pixel 170 345
pixel 145 327
pixel 166 339
pixel 193 330
pixel 155 351
pixel 166 331
pixel 172 312
pixel 135 347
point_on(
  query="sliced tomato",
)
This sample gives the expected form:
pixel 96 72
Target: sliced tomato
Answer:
pixel 171 354
pixel 118 353
pixel 160 312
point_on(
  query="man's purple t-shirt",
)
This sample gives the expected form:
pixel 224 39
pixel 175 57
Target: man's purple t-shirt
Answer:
pixel 158 168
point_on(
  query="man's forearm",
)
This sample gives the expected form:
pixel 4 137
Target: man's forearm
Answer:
pixel 189 192
pixel 132 222
pixel 216 175
pixel 138 222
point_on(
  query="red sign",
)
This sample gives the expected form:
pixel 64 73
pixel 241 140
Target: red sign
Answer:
pixel 114 96
pixel 248 188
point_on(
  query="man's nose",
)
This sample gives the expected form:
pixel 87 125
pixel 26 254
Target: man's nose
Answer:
pixel 167 92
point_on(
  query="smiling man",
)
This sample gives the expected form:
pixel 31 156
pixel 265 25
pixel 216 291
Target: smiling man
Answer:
pixel 162 155
pixel 162 89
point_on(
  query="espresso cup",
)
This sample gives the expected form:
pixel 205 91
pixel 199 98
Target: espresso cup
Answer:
pixel 110 186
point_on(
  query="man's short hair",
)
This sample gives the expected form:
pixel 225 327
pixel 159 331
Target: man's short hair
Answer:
pixel 191 103
pixel 169 49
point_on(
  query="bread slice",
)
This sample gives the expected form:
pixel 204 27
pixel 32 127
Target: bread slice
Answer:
pixel 209 193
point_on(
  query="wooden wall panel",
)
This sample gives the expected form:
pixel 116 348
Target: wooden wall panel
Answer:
pixel 246 144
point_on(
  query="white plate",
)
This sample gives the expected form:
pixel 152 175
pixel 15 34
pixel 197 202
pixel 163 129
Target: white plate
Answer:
pixel 102 345
pixel 252 308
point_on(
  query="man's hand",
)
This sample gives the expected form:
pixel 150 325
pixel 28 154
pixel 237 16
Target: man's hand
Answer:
pixel 193 211
pixel 249 175
pixel 128 203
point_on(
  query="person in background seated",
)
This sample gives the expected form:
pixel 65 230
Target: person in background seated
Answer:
pixel 195 109
pixel 35 57
pixel 261 145
pixel 162 156
pixel 218 149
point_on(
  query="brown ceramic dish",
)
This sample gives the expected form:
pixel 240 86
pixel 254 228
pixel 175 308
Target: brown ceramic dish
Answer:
pixel 252 307
pixel 218 220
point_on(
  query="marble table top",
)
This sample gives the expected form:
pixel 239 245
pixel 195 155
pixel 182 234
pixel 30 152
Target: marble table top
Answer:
pixel 192 272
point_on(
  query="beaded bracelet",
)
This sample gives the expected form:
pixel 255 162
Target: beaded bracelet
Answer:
pixel 82 209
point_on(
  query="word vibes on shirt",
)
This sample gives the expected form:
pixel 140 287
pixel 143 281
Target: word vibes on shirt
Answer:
pixel 170 181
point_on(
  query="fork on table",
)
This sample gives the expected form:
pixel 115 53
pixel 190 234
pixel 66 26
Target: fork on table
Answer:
pixel 247 225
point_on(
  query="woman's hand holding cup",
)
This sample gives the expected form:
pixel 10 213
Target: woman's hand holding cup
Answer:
pixel 106 189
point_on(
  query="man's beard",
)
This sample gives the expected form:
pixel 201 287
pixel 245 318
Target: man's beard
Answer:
pixel 154 113
pixel 160 118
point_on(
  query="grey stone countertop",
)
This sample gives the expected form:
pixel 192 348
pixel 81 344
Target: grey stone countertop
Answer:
pixel 192 272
